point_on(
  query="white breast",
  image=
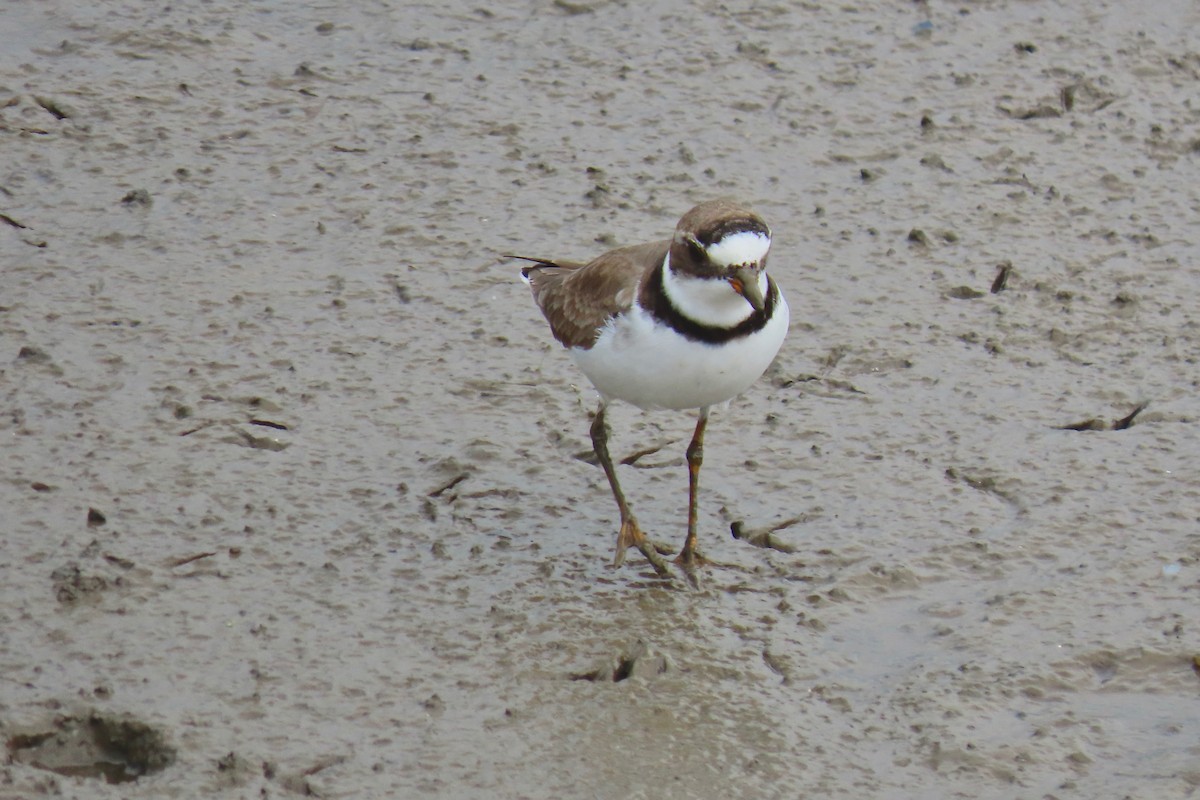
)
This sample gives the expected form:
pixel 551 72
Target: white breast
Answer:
pixel 648 364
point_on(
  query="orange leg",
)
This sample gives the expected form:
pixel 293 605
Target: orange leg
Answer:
pixel 690 557
pixel 630 533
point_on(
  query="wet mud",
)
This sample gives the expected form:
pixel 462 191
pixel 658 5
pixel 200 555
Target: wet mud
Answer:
pixel 296 483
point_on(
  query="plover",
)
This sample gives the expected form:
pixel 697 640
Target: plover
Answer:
pixel 684 323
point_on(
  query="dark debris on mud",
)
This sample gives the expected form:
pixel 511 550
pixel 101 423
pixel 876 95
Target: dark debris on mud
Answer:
pixel 115 749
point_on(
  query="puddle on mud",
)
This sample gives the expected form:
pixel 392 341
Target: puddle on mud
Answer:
pixel 111 749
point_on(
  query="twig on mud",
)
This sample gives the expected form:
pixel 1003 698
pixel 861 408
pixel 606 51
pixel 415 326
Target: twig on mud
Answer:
pixel 1124 422
pixel 198 428
pixel 445 487
pixel 764 537
pixel 179 562
pixel 1001 281
pixel 266 423
pixel 631 459
pixel 1097 424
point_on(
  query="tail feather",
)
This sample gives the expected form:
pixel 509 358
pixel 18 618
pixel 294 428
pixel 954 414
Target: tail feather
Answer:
pixel 539 263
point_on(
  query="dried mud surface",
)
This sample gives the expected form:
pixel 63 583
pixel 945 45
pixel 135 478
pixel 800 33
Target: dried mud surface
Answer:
pixel 289 466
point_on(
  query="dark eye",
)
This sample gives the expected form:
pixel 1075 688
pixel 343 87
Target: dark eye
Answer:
pixel 696 250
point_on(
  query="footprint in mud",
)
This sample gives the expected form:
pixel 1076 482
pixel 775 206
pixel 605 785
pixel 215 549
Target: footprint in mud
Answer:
pixel 72 584
pixel 112 749
pixel 75 583
pixel 642 661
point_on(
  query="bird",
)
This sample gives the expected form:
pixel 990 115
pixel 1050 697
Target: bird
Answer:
pixel 685 323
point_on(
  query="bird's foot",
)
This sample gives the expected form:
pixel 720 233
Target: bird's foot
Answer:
pixel 690 560
pixel 631 535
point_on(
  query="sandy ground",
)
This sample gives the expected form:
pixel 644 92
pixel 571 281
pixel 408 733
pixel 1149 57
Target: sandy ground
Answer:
pixel 291 493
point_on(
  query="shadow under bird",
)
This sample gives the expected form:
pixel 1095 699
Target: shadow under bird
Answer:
pixel 684 323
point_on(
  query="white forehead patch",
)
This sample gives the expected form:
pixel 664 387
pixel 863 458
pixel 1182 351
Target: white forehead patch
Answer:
pixel 746 247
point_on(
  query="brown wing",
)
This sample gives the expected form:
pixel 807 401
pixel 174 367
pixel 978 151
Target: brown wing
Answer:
pixel 578 299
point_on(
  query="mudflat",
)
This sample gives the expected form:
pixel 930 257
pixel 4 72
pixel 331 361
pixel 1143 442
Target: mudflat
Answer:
pixel 295 494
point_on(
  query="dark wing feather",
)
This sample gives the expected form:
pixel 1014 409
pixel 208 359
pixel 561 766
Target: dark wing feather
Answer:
pixel 578 299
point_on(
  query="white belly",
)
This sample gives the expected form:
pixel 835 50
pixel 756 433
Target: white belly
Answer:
pixel 651 366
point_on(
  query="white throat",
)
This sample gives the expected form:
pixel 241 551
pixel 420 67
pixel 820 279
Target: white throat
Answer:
pixel 708 301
